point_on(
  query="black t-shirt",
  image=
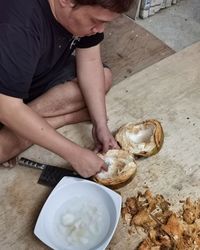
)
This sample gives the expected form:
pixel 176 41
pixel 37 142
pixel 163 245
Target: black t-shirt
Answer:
pixel 32 46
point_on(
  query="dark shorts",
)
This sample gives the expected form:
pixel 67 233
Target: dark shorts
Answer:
pixel 67 73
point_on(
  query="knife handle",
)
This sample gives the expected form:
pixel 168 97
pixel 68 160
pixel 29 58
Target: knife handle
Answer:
pixel 31 164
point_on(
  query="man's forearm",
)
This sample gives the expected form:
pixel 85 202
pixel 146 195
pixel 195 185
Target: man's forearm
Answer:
pixel 93 89
pixel 92 83
pixel 28 124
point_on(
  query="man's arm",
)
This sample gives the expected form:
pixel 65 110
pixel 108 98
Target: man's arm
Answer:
pixel 91 79
pixel 28 124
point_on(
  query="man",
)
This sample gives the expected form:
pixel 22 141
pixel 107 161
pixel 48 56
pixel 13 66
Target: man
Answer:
pixel 43 88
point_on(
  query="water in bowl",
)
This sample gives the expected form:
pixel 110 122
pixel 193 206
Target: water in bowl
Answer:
pixel 82 224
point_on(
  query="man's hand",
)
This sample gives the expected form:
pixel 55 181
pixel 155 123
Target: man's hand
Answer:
pixel 103 139
pixel 87 163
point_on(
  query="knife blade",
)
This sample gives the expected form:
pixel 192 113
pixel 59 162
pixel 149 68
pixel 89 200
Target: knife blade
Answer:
pixel 50 175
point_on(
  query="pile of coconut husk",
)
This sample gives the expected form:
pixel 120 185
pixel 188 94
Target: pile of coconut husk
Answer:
pixel 165 229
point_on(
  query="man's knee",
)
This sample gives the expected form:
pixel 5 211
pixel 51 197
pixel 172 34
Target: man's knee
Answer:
pixel 108 79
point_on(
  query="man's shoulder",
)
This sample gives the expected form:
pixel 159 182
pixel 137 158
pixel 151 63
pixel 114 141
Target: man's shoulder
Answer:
pixel 18 12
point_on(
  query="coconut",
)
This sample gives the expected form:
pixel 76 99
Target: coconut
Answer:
pixel 121 167
pixel 143 139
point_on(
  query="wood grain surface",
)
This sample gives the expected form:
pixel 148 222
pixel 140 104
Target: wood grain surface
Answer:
pixel 129 48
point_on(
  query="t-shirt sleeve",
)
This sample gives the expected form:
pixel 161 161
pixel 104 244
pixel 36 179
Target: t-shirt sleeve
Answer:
pixel 90 41
pixel 19 55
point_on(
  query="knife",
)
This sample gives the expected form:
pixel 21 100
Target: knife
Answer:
pixel 50 175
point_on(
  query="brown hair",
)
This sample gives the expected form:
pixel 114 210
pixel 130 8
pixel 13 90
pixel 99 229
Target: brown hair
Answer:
pixel 118 6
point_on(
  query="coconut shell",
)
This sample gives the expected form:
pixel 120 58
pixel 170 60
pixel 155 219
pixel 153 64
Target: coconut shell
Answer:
pixel 143 139
pixel 121 167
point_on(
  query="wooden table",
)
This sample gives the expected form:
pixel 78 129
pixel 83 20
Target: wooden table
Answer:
pixel 168 91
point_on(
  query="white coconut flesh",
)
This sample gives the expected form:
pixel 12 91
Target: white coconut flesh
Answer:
pixel 141 138
pixel 116 167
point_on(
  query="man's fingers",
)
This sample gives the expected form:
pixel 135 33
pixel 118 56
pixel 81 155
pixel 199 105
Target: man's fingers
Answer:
pixel 110 145
pixel 104 167
pixel 105 149
pixel 98 148
pixel 116 146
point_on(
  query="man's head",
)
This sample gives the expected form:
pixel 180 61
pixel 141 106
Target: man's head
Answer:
pixel 87 17
pixel 118 6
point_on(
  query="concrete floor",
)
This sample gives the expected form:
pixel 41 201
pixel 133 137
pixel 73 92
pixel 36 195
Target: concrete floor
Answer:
pixel 177 26
pixel 172 97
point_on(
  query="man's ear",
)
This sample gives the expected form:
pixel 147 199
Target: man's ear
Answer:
pixel 69 3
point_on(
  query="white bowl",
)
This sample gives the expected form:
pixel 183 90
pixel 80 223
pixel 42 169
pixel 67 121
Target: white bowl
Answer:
pixel 62 198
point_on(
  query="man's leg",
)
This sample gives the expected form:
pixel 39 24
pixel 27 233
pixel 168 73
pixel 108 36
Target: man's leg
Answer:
pixel 61 105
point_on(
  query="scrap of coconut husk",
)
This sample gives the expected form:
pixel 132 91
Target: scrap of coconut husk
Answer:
pixel 143 207
pixel 165 229
pixel 191 210
pixel 173 227
pixel 156 240
pixel 143 219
